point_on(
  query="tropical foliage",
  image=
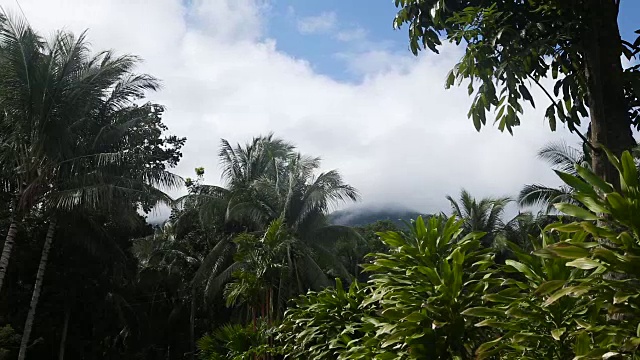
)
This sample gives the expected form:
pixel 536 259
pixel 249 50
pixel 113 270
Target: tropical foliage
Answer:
pixel 561 157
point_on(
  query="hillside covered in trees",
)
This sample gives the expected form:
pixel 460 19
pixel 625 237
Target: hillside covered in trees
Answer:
pixel 366 216
pixel 260 265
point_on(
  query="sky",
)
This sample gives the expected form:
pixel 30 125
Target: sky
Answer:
pixel 331 76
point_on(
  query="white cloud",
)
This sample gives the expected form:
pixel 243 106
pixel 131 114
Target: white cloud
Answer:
pixel 627 63
pixel 373 62
pixel 398 136
pixel 353 34
pixel 317 24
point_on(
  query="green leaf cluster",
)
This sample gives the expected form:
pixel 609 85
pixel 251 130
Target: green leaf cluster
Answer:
pixel 413 307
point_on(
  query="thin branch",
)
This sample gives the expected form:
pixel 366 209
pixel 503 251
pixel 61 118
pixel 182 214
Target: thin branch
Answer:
pixel 555 103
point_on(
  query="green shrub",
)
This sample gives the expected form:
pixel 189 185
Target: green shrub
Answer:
pixel 579 298
pixel 533 323
pixel 323 325
pixel 411 308
pixel 423 286
pixel 236 342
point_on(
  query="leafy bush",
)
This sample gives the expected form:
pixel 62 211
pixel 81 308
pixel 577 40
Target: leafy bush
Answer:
pixel 423 286
pixel 533 323
pixel 438 294
pixel 236 342
pixel 324 324
pixel 412 308
pixel 580 296
pixel 8 340
pixel 612 221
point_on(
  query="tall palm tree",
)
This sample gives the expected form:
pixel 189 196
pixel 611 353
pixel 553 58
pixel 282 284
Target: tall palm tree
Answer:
pixel 561 157
pixel 72 145
pixel 484 215
pixel 268 182
pixel 21 129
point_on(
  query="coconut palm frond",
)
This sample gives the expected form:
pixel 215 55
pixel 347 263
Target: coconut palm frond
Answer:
pixel 561 156
pixel 543 196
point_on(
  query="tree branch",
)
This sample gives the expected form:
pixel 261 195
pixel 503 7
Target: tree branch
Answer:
pixel 572 128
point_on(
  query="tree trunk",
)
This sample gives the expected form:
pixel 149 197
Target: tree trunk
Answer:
pixel 192 320
pixel 65 330
pixel 6 250
pixel 610 125
pixel 28 325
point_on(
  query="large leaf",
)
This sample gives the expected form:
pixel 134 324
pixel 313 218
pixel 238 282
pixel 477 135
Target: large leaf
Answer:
pixel 576 211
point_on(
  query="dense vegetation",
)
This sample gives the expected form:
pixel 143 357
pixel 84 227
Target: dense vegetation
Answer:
pixel 258 268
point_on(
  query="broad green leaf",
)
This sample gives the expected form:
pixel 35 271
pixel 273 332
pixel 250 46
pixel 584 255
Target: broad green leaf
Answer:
pixel 617 201
pixel 392 238
pixel 522 268
pixel 421 230
pixel 576 183
pixel 498 298
pixel 593 179
pixel 566 228
pixel 576 290
pixel 393 338
pixel 431 274
pixel 607 255
pixel 613 159
pixel 549 286
pixel 492 323
pixel 629 170
pixel 620 297
pixel 458 257
pixel 488 345
pixel 575 211
pixel 519 337
pixel 610 354
pixel 593 203
pixel 568 251
pixel 557 333
pixel 482 312
pixel 584 264
pixel 597 231
pixel 582 345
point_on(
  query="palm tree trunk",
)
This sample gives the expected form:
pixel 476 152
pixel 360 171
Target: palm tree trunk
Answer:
pixel 65 329
pixel 6 250
pixel 192 320
pixel 28 325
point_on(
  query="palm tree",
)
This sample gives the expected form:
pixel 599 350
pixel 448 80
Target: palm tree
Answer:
pixel 74 146
pixel 483 216
pixel 561 157
pixel 269 183
pixel 271 270
pixel 20 132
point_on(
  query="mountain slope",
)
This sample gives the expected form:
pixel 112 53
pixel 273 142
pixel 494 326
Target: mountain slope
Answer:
pixel 361 217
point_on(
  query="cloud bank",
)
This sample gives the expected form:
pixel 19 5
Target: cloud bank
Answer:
pixel 397 135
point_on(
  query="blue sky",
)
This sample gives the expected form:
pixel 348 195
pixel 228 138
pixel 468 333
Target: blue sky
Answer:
pixel 365 25
pixel 370 24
